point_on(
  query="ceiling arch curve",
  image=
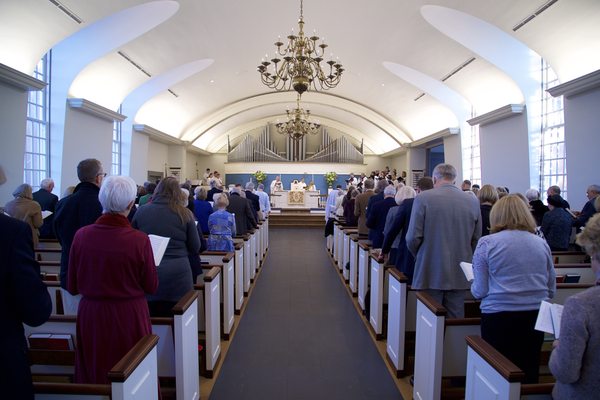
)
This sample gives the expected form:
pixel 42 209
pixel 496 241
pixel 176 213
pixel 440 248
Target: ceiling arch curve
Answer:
pixel 374 126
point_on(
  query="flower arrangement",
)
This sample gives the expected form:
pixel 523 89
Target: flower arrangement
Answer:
pixel 330 177
pixel 260 176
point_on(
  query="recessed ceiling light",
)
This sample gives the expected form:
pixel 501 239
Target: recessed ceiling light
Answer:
pixel 212 81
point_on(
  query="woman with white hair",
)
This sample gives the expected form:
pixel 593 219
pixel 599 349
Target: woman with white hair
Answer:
pixel 112 266
pixel 24 208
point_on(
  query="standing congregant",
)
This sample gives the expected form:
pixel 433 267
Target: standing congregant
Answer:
pixel 47 200
pixel 73 212
pixel 112 267
pixel 445 225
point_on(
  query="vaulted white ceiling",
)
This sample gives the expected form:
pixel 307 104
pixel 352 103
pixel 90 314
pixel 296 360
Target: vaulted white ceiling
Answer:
pixel 200 82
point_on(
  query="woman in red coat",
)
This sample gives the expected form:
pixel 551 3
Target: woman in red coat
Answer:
pixel 112 266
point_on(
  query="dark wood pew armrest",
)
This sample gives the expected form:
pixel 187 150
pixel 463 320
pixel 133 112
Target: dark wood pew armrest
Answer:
pixel 124 368
pixel 435 307
pixel 212 274
pixel 399 276
pixel 227 256
pixel 71 388
pixel 185 302
pixel 537 388
pixel 501 364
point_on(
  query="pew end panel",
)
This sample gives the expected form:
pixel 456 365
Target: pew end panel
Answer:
pixel 395 345
pixel 185 314
pixel 490 375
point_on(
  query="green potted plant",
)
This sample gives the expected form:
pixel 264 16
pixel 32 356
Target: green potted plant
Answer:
pixel 260 176
pixel 330 177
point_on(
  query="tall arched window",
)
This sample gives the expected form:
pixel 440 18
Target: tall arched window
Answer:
pixel 37 135
pixel 116 147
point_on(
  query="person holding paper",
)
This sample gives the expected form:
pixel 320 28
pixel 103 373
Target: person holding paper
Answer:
pixel 112 266
pixel 575 360
pixel 47 200
pixel 513 273
pixel 25 209
pixel 167 216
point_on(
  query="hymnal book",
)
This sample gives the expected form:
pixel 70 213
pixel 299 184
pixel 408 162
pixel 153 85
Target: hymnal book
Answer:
pixel 159 245
pixel 549 318
pixel 50 341
pixel 46 214
pixel 572 278
pixel 467 269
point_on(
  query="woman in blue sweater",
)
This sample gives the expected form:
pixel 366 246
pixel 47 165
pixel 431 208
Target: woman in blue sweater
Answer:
pixel 513 272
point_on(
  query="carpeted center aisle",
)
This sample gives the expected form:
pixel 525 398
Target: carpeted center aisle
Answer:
pixel 300 336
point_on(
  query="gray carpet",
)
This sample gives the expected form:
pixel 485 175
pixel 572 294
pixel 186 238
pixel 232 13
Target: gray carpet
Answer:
pixel 300 336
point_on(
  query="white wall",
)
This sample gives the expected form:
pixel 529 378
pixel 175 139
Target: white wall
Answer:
pixel 158 154
pixel 582 140
pixel 504 148
pixel 140 155
pixel 13 115
pixel 453 154
pixel 85 136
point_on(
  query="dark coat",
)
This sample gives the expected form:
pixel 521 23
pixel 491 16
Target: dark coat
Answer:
pixel 588 211
pixel 48 202
pixel 538 209
pixel 72 212
pixel 405 261
pixel 244 217
pixel 23 299
pixel 255 200
pixel 485 219
pixel 376 220
pixel 211 193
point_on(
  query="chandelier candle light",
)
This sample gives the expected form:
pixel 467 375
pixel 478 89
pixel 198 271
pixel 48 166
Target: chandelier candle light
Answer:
pixel 300 66
pixel 297 125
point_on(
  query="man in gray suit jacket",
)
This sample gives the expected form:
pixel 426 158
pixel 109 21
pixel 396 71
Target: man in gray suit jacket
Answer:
pixel 445 225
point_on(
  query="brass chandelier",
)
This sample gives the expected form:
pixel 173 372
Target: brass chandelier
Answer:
pixel 300 67
pixel 298 124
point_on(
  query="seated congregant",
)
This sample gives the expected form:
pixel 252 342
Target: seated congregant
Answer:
pixel 112 266
pixel 513 272
pixel 576 356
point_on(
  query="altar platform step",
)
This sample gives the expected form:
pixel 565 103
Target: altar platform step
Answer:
pixel 299 218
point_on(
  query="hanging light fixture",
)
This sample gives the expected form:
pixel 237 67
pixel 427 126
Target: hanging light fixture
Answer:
pixel 298 125
pixel 300 67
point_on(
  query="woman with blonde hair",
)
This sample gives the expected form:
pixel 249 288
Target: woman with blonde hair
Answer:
pixel 575 360
pixel 24 208
pixel 167 216
pixel 487 196
pixel 513 272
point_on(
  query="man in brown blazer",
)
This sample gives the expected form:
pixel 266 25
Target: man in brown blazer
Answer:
pixel 360 206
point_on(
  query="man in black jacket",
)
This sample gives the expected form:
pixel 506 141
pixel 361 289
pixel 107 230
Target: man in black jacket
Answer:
pixel 23 299
pixel 73 212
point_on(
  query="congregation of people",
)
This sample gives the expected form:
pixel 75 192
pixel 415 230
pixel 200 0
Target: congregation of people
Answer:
pixel 428 230
pixel 108 275
pixel 109 279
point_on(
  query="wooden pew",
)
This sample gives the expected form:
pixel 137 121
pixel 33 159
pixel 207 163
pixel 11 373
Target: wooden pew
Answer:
pixel 209 310
pixel 239 277
pixel 564 290
pixel 227 263
pixel 56 297
pixel 353 257
pixel 265 234
pixel 50 267
pixel 133 377
pixel 48 244
pixel 396 328
pixel 364 248
pixel 177 349
pixel 245 240
pixel 490 375
pixel 584 270
pixel 252 254
pixel 48 254
pixel 570 257
pixel 378 295
pixel 347 231
pixel 440 349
